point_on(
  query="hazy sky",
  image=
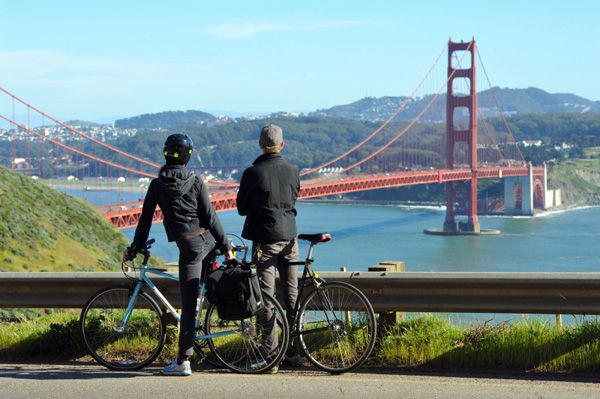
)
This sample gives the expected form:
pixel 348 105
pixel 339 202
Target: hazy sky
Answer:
pixel 98 60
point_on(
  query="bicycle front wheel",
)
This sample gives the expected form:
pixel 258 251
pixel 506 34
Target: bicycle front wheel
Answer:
pixel 117 344
pixel 252 345
pixel 337 327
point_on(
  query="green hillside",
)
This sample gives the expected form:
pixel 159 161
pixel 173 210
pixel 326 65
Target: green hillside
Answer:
pixel 578 180
pixel 42 229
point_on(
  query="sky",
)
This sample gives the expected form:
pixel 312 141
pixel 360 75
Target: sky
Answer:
pixel 101 60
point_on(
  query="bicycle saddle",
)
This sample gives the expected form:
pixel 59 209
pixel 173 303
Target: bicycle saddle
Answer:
pixel 315 238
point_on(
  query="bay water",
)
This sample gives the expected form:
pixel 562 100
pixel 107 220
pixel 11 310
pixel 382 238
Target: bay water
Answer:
pixel 364 235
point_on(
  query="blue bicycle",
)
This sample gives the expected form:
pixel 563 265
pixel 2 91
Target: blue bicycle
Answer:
pixel 124 328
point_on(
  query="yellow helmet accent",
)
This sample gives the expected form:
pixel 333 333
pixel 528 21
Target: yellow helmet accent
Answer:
pixel 176 155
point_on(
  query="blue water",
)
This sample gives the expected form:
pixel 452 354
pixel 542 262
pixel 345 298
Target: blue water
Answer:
pixel 104 197
pixel 364 235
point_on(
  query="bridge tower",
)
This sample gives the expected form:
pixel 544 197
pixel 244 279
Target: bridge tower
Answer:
pixel 468 136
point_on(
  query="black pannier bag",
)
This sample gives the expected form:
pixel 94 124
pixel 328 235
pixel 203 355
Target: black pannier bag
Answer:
pixel 235 291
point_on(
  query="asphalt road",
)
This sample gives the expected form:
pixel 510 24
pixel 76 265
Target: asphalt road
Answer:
pixel 88 380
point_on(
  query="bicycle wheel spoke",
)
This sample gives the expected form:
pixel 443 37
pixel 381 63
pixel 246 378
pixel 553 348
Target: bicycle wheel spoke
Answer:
pixel 125 347
pixel 248 349
pixel 337 327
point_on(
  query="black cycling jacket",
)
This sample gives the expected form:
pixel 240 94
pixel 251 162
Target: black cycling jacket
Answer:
pixel 267 197
pixel 185 204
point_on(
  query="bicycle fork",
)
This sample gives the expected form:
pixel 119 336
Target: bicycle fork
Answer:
pixel 132 301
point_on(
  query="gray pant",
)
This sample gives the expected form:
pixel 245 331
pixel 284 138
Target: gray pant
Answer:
pixel 191 253
pixel 269 259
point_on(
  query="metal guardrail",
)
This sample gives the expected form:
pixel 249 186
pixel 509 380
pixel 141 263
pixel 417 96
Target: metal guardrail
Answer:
pixel 550 293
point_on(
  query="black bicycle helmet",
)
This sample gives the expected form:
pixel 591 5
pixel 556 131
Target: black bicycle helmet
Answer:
pixel 178 149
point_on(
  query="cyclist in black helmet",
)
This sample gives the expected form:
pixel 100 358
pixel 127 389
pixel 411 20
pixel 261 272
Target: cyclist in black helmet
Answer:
pixel 190 220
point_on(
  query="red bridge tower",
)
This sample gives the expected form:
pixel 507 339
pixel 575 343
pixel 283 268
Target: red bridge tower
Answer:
pixel 461 199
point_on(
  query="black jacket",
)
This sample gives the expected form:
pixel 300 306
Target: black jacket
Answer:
pixel 267 197
pixel 185 204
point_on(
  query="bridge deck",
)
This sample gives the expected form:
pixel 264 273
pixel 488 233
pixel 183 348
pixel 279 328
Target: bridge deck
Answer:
pixel 127 215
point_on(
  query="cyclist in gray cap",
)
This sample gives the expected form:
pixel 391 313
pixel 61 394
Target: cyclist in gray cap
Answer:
pixel 267 197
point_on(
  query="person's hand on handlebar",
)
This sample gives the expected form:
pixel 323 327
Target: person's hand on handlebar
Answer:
pixel 129 253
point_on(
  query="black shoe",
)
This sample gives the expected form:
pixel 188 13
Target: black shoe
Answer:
pixel 293 361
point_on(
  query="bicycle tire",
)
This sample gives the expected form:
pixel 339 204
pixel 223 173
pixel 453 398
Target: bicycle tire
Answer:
pixel 145 332
pixel 336 327
pixel 244 351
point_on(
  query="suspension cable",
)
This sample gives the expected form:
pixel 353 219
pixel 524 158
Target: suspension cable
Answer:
pixel 411 124
pixel 387 122
pixel 498 105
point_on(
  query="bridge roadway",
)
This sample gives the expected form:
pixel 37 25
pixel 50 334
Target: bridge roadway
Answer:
pixel 77 380
pixel 127 215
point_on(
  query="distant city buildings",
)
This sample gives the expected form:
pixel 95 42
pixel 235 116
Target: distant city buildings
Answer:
pixel 531 143
pixel 59 133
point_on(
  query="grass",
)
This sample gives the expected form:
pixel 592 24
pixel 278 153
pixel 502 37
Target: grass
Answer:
pixel 421 342
pixel 526 345
pixel 580 179
pixel 47 336
pixel 56 336
pixel 43 229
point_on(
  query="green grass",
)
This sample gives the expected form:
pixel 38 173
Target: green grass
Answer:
pixel 420 342
pixel 56 336
pixel 577 173
pixel 526 345
pixel 42 229
pixel 47 336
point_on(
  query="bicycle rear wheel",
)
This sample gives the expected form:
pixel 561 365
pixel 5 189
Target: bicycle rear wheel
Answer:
pixel 337 327
pixel 114 345
pixel 245 346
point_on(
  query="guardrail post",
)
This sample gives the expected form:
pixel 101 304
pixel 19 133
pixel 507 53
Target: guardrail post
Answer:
pixel 558 320
pixel 388 319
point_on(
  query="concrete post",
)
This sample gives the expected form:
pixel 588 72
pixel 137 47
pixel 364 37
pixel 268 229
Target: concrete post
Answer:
pixel 546 188
pixel 388 319
pixel 528 189
pixel 510 185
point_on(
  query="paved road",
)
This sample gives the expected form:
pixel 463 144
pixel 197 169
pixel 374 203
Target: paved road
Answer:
pixel 85 380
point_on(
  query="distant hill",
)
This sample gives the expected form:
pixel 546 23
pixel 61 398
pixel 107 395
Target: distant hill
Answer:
pixel 43 229
pixel 167 120
pixel 378 109
pixel 512 101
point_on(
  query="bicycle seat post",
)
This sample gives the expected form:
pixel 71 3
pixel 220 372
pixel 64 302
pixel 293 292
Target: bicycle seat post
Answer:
pixel 309 254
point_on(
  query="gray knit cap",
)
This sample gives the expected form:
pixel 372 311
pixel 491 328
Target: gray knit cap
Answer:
pixel 271 136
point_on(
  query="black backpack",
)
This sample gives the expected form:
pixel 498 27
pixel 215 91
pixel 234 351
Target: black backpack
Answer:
pixel 235 291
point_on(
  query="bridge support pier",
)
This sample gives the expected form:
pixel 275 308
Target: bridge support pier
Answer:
pixel 518 194
pixel 461 142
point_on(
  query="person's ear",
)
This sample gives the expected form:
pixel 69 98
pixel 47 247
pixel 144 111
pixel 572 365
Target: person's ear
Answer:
pixel 281 145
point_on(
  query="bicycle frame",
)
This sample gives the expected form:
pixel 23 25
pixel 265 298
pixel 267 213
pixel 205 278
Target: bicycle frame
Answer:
pixel 144 279
pixel 308 275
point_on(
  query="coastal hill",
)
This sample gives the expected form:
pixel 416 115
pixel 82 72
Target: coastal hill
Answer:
pixel 377 109
pixel 513 101
pixel 42 229
pixel 166 120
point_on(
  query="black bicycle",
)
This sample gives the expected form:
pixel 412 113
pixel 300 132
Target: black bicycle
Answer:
pixel 334 321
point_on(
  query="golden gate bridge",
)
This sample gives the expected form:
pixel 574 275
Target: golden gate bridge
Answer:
pixel 442 140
